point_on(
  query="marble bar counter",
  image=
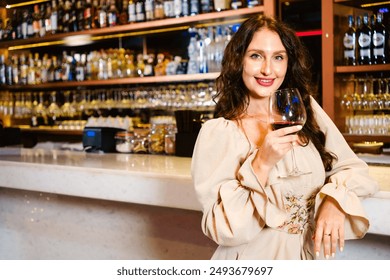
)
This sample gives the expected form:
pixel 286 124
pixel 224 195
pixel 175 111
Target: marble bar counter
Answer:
pixel 73 205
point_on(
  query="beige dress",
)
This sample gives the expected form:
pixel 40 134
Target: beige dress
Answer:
pixel 276 221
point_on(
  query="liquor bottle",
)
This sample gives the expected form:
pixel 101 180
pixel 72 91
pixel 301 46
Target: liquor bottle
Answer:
pixel 139 10
pixel 185 6
pixel 112 14
pixel 7 31
pixel 2 70
pixel 60 16
pixel 349 43
pixel 140 66
pixel 57 69
pixel 66 17
pixel 169 9
pixel 123 16
pixel 88 15
pixel 159 9
pixel 47 19
pixel 23 25
pixel 236 4
pixel 379 41
pixel 177 8
pixel 42 27
pixel 102 14
pixel 36 21
pixel 23 70
pixel 149 10
pixel 54 17
pixel 15 70
pixel 80 7
pixel 30 26
pixel 364 39
pixel 252 3
pixel 221 5
pixel 14 24
pixel 73 25
pixel 149 66
pixel 194 7
pixel 131 11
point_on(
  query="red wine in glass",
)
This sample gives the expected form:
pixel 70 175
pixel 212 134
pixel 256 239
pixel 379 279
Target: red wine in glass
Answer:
pixel 287 109
pixel 281 124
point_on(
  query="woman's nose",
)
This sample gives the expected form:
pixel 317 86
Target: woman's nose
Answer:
pixel 266 68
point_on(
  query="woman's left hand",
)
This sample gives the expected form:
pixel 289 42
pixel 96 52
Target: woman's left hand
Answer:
pixel 329 228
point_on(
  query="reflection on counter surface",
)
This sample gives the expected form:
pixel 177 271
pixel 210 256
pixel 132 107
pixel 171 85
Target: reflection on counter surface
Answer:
pixel 58 204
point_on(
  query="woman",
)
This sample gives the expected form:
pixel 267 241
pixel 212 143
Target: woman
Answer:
pixel 251 209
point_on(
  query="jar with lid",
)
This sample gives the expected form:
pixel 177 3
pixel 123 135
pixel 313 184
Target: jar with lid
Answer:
pixel 140 141
pixel 157 138
pixel 170 139
pixel 124 142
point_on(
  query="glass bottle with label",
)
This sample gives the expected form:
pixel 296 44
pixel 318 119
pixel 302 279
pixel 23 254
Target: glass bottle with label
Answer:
pixel 131 11
pixel 379 41
pixel 364 40
pixel 349 43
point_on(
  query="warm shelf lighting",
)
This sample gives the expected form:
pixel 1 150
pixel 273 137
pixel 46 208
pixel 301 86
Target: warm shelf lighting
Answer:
pixel 11 6
pixel 375 4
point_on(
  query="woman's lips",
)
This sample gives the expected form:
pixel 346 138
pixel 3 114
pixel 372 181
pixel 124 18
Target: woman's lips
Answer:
pixel 265 82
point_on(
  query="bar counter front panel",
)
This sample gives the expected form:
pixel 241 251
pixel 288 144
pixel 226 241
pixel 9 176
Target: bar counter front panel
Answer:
pixel 75 205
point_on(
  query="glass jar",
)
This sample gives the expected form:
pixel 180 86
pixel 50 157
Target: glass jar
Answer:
pixel 140 141
pixel 124 142
pixel 157 139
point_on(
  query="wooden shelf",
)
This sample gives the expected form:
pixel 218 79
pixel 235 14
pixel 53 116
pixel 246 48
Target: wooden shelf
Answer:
pixel 137 29
pixel 52 130
pixel 362 68
pixel 366 138
pixel 119 82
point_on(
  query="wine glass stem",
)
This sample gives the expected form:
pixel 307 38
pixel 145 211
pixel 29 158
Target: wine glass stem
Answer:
pixel 294 163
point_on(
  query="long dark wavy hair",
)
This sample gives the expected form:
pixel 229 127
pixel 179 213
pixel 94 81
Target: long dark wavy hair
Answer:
pixel 232 95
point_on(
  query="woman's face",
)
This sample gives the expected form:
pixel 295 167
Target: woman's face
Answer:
pixel 264 64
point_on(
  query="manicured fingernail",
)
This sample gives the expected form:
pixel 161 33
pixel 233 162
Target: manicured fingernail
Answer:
pixel 299 126
pixel 317 254
pixel 327 257
pixel 333 255
pixel 341 249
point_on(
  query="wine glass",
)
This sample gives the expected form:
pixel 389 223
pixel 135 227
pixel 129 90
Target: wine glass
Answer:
pixel 287 109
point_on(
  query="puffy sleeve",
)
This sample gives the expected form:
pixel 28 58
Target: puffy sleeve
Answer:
pixel 235 205
pixel 348 182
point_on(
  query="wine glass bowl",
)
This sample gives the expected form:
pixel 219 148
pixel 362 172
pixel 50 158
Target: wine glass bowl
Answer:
pixel 286 108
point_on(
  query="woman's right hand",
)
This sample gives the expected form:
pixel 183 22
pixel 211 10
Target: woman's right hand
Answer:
pixel 275 145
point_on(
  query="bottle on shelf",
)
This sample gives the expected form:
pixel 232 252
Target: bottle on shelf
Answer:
pixel 66 16
pixel 139 10
pixel 349 42
pixel 159 9
pixel 149 10
pixel 185 7
pixel 36 21
pixel 2 70
pixel 47 19
pixel 54 17
pixel 131 11
pixel 88 17
pixel 379 41
pixel 364 42
pixel 236 4
pixel 123 15
pixel 60 16
pixel 221 5
pixel 112 14
pixel 194 7
pixel 42 15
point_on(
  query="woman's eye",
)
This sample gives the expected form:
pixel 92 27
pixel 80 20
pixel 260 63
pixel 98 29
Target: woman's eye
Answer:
pixel 279 57
pixel 255 56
